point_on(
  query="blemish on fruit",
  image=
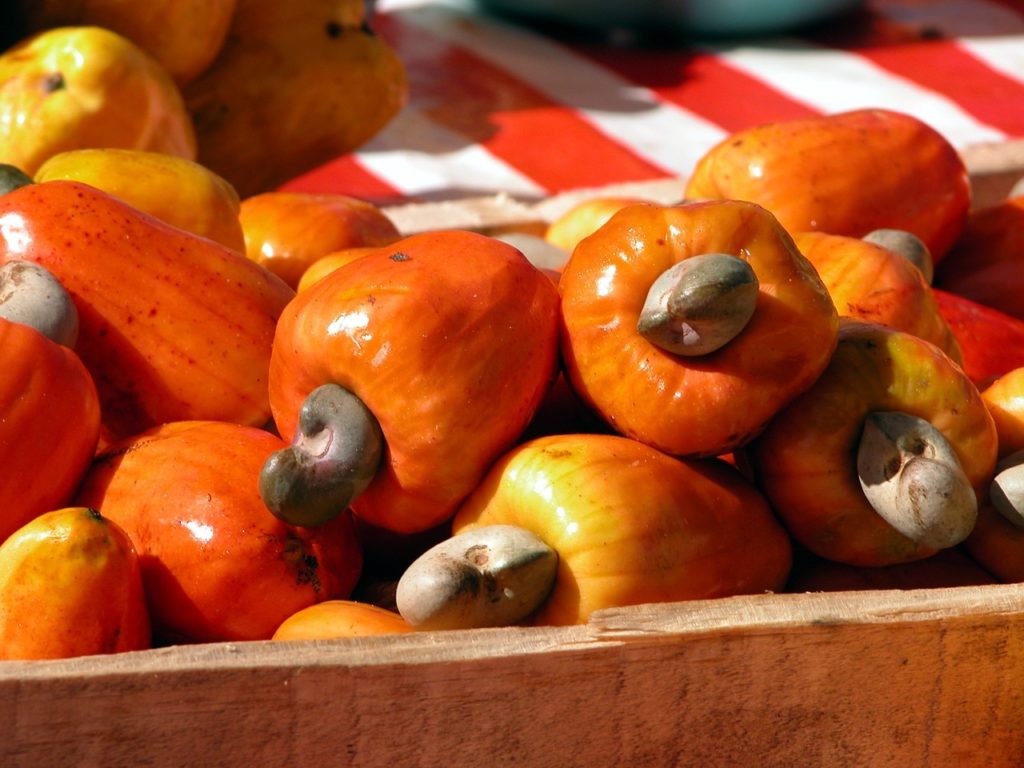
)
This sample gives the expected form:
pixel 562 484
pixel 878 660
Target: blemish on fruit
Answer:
pixel 399 256
pixel 479 555
pixel 53 82
pixel 306 565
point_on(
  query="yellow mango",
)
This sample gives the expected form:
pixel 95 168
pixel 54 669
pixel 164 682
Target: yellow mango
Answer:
pixel 183 35
pixel 175 190
pixel 76 87
pixel 70 585
pixel 296 84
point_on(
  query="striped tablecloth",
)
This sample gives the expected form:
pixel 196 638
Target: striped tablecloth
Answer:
pixel 500 107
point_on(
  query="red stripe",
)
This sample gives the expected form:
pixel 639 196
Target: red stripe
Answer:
pixel 702 84
pixel 923 57
pixel 346 176
pixel 545 141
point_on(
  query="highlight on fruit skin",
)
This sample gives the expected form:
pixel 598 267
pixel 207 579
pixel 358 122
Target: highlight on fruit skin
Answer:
pixel 871 281
pixel 766 323
pixel 176 190
pixel 289 232
pixel 71 585
pixel 333 619
pixel 49 424
pixel 451 362
pixel 185 490
pixel 72 87
pixel 835 173
pixel 876 410
pixel 630 524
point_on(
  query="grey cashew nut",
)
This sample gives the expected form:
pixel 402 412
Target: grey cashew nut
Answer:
pixel 492 576
pixel 334 456
pixel 699 304
pixel 905 244
pixel 31 295
pixel 913 479
pixel 1007 490
pixel 12 178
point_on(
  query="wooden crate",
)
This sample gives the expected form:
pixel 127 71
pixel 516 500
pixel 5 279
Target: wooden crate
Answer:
pixel 908 678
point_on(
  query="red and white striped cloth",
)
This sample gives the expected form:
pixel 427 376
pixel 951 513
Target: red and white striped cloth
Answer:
pixel 499 107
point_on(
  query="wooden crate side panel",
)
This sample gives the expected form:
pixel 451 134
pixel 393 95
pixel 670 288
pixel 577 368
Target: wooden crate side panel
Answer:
pixel 908 679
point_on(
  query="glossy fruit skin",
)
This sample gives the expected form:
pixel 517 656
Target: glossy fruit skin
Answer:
pixel 184 36
pixel 844 174
pixel 217 565
pixel 449 338
pixel 287 231
pixel 327 264
pixel 175 190
pixel 341 618
pixel 296 84
pixel 805 461
pixel 691 406
pixel 584 218
pixel 1004 398
pixel 987 263
pixel 70 585
pixel 995 542
pixel 875 285
pixel 75 87
pixel 991 342
pixel 630 524
pixel 172 326
pixel 49 424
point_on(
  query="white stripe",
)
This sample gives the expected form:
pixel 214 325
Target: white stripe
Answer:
pixel 835 81
pixel 419 157
pixel 1004 54
pixel 662 134
pixel 992 33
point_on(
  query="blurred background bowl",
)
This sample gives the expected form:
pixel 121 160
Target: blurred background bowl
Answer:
pixel 700 18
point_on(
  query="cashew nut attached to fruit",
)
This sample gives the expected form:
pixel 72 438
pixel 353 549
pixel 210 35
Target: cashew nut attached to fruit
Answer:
pixel 31 295
pixel 1007 490
pixel 907 245
pixel 700 304
pixel 333 457
pixel 912 477
pixel 493 576
pixel 12 177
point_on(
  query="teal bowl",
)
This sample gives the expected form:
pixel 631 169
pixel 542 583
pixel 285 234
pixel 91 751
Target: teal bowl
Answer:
pixel 701 18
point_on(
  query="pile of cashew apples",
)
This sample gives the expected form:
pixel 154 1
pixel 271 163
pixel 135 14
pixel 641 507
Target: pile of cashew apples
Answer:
pixel 277 417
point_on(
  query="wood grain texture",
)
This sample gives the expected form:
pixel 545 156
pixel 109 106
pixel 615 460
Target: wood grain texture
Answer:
pixel 876 678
